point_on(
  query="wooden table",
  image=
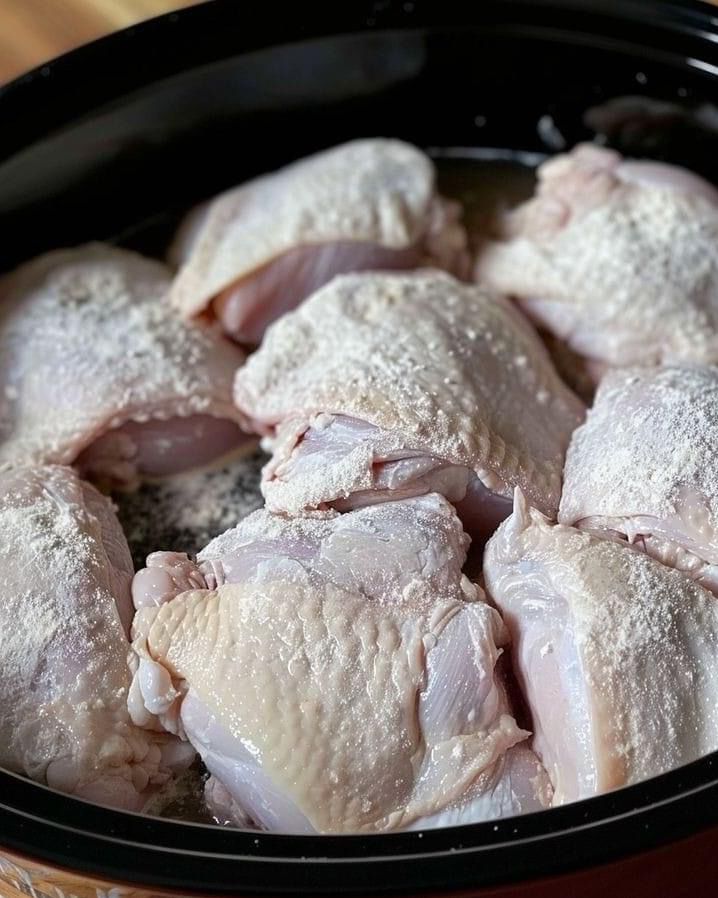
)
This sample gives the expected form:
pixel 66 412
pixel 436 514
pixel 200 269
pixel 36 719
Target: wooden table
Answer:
pixel 33 31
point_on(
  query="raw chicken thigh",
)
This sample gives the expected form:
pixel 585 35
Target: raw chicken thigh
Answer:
pixel 64 615
pixel 383 386
pixel 96 369
pixel 617 257
pixel 257 251
pixel 616 653
pixel 339 674
pixel 654 481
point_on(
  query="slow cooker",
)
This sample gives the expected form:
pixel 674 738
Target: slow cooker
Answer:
pixel 113 140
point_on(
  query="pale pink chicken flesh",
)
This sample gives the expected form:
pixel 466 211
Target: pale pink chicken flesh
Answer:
pixel 617 655
pixel 158 448
pixel 653 481
pixel 96 369
pixel 361 692
pixel 388 385
pixel 394 475
pixel 246 309
pixel 65 614
pixel 257 251
pixel 617 257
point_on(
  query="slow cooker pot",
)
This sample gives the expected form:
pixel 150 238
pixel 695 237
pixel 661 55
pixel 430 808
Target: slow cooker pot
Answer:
pixel 113 140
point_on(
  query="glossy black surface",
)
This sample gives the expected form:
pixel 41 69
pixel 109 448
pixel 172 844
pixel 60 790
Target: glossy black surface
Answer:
pixel 211 860
pixel 143 123
pixel 112 140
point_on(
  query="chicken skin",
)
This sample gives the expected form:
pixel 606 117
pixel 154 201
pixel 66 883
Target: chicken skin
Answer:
pixel 337 673
pixel 616 653
pixel 617 257
pixel 96 370
pixel 65 616
pixel 389 385
pixel 257 251
pixel 653 483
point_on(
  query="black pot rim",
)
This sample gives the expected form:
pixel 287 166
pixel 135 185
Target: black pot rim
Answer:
pixel 125 847
pixel 83 79
pixel 47 826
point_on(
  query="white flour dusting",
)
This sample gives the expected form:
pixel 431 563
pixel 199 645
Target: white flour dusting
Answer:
pixel 184 513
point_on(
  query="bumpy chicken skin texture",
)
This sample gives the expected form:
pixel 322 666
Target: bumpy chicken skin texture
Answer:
pixel 340 675
pixel 617 257
pixel 63 658
pixel 615 652
pixel 258 250
pixel 95 368
pixel 389 385
pixel 653 481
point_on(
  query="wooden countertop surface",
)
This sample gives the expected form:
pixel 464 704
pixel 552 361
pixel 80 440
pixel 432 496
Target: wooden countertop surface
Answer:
pixel 33 31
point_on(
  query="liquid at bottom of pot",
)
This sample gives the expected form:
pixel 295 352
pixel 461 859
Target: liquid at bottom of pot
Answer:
pixel 486 182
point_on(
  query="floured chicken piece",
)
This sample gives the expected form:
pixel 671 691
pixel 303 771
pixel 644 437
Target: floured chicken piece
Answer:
pixel 617 257
pixel 257 251
pixel 96 370
pixel 383 386
pixel 65 613
pixel 653 482
pixel 338 675
pixel 617 654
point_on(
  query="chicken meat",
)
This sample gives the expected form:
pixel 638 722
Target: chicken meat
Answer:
pixel 97 370
pixel 65 616
pixel 337 673
pixel 653 483
pixel 258 250
pixel 383 386
pixel 616 653
pixel 617 257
